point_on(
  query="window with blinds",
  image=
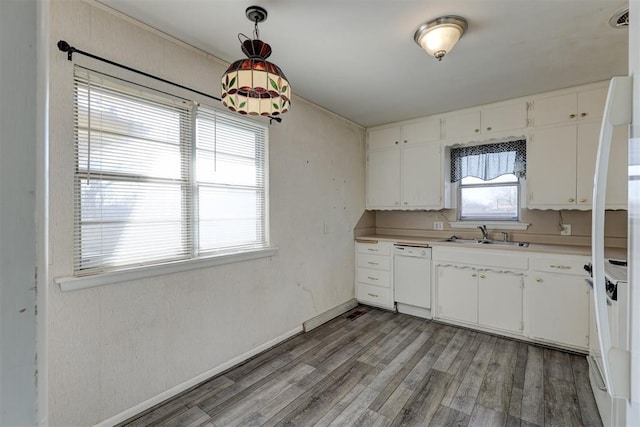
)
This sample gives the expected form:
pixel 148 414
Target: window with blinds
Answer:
pixel 160 179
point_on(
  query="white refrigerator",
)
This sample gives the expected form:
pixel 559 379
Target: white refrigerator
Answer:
pixel 620 355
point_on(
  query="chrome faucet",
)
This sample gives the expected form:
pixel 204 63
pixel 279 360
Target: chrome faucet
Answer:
pixel 485 234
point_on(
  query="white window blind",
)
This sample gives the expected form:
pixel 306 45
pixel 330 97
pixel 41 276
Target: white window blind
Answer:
pixel 138 198
pixel 230 175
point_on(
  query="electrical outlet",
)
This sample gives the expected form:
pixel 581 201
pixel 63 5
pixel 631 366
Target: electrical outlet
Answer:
pixel 565 229
pixel 438 225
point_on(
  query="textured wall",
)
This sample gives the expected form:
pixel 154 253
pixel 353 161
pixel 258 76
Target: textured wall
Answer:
pixel 114 346
pixel 18 25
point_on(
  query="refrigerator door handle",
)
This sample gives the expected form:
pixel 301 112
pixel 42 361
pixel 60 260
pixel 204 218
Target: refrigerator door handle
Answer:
pixel 617 112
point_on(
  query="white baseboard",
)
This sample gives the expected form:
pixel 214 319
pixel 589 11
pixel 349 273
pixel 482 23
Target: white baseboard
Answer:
pixel 329 314
pixel 174 391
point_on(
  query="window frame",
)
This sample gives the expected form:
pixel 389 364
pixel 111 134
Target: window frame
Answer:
pixel 195 258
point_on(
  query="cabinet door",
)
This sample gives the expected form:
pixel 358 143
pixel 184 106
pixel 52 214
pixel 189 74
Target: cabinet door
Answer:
pixel 462 125
pixel 380 139
pixel 551 167
pixel 587 147
pixel 504 117
pixel 422 131
pixel 457 293
pixel 555 109
pixel 421 176
pixel 559 308
pixel 591 103
pixel 500 300
pixel 383 179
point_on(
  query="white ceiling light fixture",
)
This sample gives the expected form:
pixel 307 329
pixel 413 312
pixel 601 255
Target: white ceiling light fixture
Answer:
pixel 439 36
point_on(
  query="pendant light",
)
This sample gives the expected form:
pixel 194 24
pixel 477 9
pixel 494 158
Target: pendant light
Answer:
pixel 254 85
pixel 439 36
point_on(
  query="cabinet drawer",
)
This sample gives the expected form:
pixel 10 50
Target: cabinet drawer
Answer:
pixel 373 248
pixel 374 277
pixel 563 266
pixel 374 295
pixel 376 262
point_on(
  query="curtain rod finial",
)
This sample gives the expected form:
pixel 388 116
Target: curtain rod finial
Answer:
pixel 63 46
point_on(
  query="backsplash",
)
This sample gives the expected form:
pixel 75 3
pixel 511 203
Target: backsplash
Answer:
pixel 544 226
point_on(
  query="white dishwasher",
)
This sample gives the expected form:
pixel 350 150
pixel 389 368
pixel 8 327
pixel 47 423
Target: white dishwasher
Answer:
pixel 412 279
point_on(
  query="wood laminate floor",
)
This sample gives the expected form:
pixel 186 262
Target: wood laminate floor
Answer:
pixel 371 367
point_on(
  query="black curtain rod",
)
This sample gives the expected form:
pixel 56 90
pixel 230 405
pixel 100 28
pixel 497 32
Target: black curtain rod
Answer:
pixel 66 47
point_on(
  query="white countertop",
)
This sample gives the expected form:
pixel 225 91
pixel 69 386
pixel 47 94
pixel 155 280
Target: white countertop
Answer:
pixel 617 253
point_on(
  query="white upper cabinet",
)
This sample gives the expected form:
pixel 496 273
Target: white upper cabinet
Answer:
pixel 404 166
pixel 569 107
pixel 383 139
pixel 469 125
pixel 551 167
pixel 504 117
pixel 422 131
pixel 462 125
pixel 561 166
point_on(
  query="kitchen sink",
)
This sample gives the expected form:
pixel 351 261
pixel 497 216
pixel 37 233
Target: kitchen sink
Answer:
pixel 454 239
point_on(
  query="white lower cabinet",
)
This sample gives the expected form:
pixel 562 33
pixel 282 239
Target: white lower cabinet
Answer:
pixel 374 273
pixel 558 304
pixel 500 300
pixel 535 296
pixel 454 282
pixel 484 297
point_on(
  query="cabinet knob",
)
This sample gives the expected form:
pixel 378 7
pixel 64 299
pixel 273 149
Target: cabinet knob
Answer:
pixel 571 200
pixel 482 276
pixel 583 200
pixel 397 203
pixel 396 142
pixel 405 141
pixel 406 203
pixel 489 128
pixel 539 280
pixel 474 275
pixel 476 130
pixel 572 116
pixel 583 114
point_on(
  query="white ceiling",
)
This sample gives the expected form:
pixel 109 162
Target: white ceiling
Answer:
pixel 358 59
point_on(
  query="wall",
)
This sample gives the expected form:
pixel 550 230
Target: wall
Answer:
pixel 115 346
pixel 544 226
pixel 18 24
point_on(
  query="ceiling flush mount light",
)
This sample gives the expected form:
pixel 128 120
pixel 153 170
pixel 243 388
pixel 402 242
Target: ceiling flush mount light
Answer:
pixel 439 36
pixel 254 85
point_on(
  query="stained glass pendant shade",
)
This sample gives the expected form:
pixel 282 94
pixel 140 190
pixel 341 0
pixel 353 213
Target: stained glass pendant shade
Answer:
pixel 254 85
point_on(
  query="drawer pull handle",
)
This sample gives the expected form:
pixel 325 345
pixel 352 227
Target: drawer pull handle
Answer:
pixel 373 295
pixel 539 280
pixel 372 278
pixel 583 114
pixel 572 116
pixel 583 200
pixel 373 263
pixel 482 276
pixel 373 250
pixel 474 275
pixel 561 267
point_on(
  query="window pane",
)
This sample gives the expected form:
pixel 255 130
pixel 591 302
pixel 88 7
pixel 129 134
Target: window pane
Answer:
pixel 125 222
pixel 491 202
pixel 230 218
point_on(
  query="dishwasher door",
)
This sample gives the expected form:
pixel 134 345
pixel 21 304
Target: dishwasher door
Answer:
pixel 412 276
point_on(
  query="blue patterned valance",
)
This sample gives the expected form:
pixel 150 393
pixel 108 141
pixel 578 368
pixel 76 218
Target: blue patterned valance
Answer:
pixel 489 161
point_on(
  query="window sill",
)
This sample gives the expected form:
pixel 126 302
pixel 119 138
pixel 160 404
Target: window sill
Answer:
pixel 110 277
pixel 491 225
